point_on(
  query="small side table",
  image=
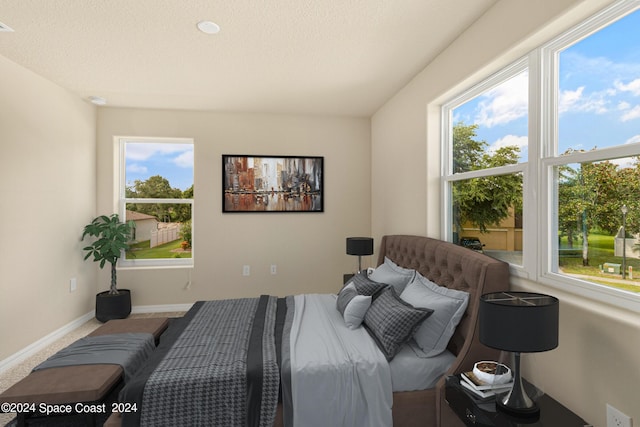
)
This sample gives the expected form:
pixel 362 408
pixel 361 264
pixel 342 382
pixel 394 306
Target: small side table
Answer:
pixel 473 412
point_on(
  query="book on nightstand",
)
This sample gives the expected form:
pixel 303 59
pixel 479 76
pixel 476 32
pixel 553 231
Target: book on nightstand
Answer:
pixel 481 389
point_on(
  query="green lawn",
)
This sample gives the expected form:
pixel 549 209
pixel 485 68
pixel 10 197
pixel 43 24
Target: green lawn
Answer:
pixel 141 250
pixel 600 252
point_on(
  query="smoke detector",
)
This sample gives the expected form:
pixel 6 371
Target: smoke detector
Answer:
pixel 208 27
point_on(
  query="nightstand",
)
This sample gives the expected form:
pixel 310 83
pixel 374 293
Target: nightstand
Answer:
pixel 473 412
pixel 346 278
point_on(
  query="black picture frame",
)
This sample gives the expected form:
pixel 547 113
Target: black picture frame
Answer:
pixel 272 184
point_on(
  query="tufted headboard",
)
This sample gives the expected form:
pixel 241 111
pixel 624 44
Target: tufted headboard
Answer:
pixel 454 267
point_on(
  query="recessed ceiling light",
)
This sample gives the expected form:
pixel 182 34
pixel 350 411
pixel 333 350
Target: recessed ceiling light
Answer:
pixel 97 100
pixel 5 28
pixel 208 27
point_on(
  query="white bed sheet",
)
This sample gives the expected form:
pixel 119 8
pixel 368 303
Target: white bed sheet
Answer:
pixel 338 375
pixel 412 370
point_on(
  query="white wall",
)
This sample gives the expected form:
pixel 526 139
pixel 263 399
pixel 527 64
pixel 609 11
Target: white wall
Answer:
pixel 596 362
pixel 47 195
pixel 308 248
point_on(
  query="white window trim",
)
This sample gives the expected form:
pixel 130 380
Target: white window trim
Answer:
pixel 540 244
pixel 131 264
pixel 448 177
pixel 547 254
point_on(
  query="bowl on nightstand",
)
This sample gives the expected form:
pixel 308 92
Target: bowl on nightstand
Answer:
pixel 492 372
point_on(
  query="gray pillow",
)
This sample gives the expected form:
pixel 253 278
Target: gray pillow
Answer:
pixel 392 322
pixel 392 274
pixel 352 306
pixel 448 305
pixel 345 296
pixel 366 286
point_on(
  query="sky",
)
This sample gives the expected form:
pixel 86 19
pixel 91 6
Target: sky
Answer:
pixel 171 161
pixel 599 95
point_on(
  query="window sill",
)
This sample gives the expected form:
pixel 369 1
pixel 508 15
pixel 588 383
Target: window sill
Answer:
pixel 154 264
pixel 593 292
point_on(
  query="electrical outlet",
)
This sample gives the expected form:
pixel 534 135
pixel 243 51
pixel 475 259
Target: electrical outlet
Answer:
pixel 274 269
pixel 246 270
pixel 615 418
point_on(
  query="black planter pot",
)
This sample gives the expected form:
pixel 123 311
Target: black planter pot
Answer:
pixel 113 306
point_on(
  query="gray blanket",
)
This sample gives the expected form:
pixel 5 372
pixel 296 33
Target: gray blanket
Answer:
pixel 217 366
pixel 129 350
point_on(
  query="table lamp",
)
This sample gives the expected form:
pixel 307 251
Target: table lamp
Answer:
pixel 359 246
pixel 519 322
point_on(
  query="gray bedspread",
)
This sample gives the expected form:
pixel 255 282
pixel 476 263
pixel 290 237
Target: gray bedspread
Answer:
pixel 129 350
pixel 217 366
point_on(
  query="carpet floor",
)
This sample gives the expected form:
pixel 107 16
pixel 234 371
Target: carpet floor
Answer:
pixel 16 373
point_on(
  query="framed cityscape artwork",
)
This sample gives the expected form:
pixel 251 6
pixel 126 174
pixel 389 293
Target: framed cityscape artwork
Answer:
pixel 272 183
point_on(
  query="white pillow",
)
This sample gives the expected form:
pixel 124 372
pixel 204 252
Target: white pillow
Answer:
pixel 448 307
pixel 391 274
pixel 352 306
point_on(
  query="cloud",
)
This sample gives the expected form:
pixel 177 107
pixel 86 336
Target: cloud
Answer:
pixel 505 103
pixel 623 105
pixel 633 87
pixel 510 140
pixel 631 114
pixel 633 139
pixel 136 168
pixel 145 150
pixel 569 98
pixel 184 160
pixel 601 68
pixel 624 162
pixel 577 101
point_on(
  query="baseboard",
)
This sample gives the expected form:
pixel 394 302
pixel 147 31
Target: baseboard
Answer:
pixel 165 308
pixel 44 342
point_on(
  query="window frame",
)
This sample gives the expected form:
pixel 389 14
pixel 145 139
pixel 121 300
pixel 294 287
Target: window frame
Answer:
pixel 122 202
pixel 449 177
pixel 539 198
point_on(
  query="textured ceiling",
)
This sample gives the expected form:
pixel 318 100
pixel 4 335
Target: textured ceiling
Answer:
pixel 338 57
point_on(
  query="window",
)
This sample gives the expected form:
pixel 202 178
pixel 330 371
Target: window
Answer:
pixel 593 161
pixel 156 194
pixel 575 182
pixel 487 133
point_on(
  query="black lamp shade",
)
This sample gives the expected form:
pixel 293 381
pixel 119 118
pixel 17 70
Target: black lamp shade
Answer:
pixel 521 322
pixel 359 246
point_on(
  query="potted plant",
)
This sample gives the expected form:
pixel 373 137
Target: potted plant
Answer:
pixel 111 240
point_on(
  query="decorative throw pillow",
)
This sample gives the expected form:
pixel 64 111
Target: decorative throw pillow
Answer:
pixel 448 306
pixel 366 286
pixel 352 306
pixel 392 274
pixel 392 322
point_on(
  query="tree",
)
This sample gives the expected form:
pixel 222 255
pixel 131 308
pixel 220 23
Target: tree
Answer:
pixel 629 194
pixel 467 151
pixel 570 206
pixel 158 187
pixel 485 201
pixel 590 196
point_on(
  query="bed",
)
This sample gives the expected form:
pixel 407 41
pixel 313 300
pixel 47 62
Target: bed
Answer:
pixel 322 359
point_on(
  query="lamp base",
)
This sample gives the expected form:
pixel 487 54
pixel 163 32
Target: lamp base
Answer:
pixel 517 402
pixel 532 413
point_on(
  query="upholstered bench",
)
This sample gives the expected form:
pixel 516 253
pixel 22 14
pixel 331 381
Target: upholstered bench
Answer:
pixel 81 383
pixel 154 325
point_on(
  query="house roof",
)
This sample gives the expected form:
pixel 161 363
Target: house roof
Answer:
pixel 337 57
pixel 138 216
